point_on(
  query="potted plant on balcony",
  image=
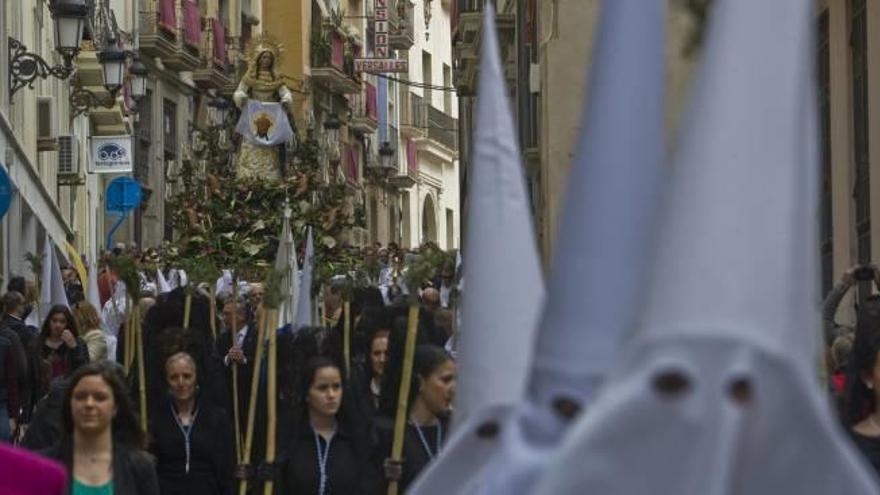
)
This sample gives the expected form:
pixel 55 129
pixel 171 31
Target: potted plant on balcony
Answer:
pixel 322 52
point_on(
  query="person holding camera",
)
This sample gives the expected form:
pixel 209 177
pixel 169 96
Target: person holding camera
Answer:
pixel 858 273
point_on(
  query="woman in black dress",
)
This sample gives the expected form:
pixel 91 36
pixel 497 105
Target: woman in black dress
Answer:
pixel 325 454
pixel 430 401
pixel 191 438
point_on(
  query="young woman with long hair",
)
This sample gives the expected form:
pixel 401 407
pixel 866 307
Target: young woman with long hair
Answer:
pixel 326 454
pixel 58 350
pixel 101 441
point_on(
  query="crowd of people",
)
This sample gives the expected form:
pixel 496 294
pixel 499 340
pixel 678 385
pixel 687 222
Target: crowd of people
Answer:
pixel 71 396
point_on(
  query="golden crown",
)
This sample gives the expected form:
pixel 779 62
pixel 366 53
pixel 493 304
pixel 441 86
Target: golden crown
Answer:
pixel 261 43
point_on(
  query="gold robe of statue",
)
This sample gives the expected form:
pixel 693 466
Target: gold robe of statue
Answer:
pixel 261 83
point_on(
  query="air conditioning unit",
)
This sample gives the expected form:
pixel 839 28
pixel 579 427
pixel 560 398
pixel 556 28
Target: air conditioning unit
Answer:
pixel 68 155
pixel 46 124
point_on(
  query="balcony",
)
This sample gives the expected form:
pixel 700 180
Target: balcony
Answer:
pixel 365 111
pixel 442 128
pixel 413 121
pixel 333 62
pixel 213 72
pixel 401 29
pixel 171 30
pixel 409 176
pixel 467 33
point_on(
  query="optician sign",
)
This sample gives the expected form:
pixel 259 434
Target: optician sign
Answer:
pixel 382 62
pixel 111 155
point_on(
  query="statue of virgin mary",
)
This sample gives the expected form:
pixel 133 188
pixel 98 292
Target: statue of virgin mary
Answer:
pixel 265 102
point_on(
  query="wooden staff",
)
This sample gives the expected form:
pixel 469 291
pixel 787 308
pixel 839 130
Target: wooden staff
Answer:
pixel 252 403
pixel 346 337
pixel 271 395
pixel 212 307
pixel 187 307
pixel 129 339
pixel 142 376
pixel 403 396
pixel 236 414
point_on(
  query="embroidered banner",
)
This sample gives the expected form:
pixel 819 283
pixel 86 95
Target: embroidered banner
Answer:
pixel 264 124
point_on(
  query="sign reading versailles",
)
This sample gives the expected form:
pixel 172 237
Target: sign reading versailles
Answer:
pixel 111 155
pixel 382 61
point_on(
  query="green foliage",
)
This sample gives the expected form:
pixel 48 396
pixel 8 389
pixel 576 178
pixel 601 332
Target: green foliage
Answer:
pixel 127 268
pixel 272 292
pixel 425 265
pixel 224 222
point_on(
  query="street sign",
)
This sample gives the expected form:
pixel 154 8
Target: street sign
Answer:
pixel 123 195
pixel 377 65
pixel 382 62
pixel 5 192
pixel 111 155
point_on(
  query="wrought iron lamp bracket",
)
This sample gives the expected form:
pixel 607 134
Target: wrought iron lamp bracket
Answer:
pixel 25 67
pixel 82 100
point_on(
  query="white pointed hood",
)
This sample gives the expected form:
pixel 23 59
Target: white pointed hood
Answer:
pixel 304 306
pixel 597 278
pixel 52 289
pixel 718 393
pixel 502 305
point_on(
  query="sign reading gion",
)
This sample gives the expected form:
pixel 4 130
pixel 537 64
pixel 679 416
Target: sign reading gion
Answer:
pixel 382 62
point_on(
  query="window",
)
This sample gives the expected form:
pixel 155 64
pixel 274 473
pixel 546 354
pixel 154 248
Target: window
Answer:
pixel 859 54
pixel 143 132
pixel 169 131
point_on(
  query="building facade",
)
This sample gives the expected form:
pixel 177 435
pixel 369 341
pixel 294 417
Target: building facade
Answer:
pixel 546 48
pixel 411 196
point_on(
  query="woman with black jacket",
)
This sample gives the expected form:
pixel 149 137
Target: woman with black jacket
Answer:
pixel 58 351
pixel 101 442
pixel 326 453
pixel 191 438
pixel 427 427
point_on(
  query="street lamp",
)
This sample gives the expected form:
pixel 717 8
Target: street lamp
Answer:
pixel 331 135
pixel 220 108
pixel 331 126
pixel 25 67
pixel 139 73
pixel 386 158
pixel 70 18
pixel 112 59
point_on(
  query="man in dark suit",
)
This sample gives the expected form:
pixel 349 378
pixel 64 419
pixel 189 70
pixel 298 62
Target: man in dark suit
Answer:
pixel 237 347
pixel 12 327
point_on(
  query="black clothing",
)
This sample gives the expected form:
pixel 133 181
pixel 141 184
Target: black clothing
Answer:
pixel 415 456
pixel 24 332
pixel 22 371
pixel 42 356
pixel 869 447
pixel 366 404
pixel 346 464
pixel 45 425
pixel 133 470
pixel 211 452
